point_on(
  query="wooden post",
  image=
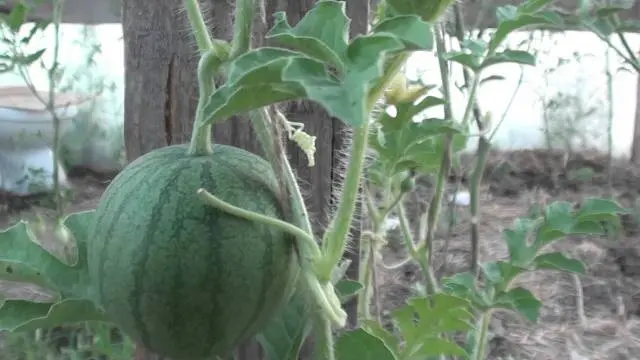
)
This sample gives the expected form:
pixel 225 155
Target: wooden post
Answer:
pixel 161 95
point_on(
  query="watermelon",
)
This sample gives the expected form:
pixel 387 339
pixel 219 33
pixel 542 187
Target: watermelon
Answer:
pixel 183 279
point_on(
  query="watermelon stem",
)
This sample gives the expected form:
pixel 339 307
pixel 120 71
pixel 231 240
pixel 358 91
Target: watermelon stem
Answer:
pixel 210 62
pixel 214 54
pixel 198 25
pixel 323 294
pixel 243 27
pixel 324 349
pixel 298 233
pixel 334 241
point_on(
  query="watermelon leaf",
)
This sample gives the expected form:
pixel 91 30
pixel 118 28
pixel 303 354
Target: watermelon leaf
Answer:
pixel 284 335
pixel 323 65
pixel 24 315
pixel 362 345
pixel 22 259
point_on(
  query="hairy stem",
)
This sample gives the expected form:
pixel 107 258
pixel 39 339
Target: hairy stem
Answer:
pixel 242 27
pixel 335 237
pixel 198 25
pixel 324 339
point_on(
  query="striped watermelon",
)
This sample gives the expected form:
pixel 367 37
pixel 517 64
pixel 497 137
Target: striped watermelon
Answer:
pixel 180 277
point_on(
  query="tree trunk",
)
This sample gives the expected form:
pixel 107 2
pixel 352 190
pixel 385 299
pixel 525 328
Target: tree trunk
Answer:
pixel 161 94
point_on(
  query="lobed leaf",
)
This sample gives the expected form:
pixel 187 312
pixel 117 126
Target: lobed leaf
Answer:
pixel 24 315
pixel 24 260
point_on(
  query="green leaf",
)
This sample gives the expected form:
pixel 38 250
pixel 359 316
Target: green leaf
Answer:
pixel 533 6
pixel 29 59
pixel 601 26
pixel 522 301
pixel 442 313
pixel 410 29
pixel 267 75
pixel 558 223
pixel 17 17
pixel 435 346
pixel 429 10
pixel 283 336
pixel 403 144
pixel 389 339
pixel 345 98
pixel 596 209
pixel 612 9
pixel 475 46
pixel 256 80
pixel 22 259
pixel 519 252
pixel 361 345
pixel 322 34
pixel 500 274
pixel 522 18
pixel 346 289
pixel 422 321
pixel 471 61
pixel 461 284
pixel 23 315
pixel 510 56
pixel 492 78
pixel 558 261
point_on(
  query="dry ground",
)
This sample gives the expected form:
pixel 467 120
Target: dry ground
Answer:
pixel 592 317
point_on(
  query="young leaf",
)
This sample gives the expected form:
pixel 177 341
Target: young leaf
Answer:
pixel 522 301
pixel 23 315
pixel 424 319
pixel 558 261
pixel 283 336
pixel 519 252
pixel 500 274
pixel 462 285
pixel 361 345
